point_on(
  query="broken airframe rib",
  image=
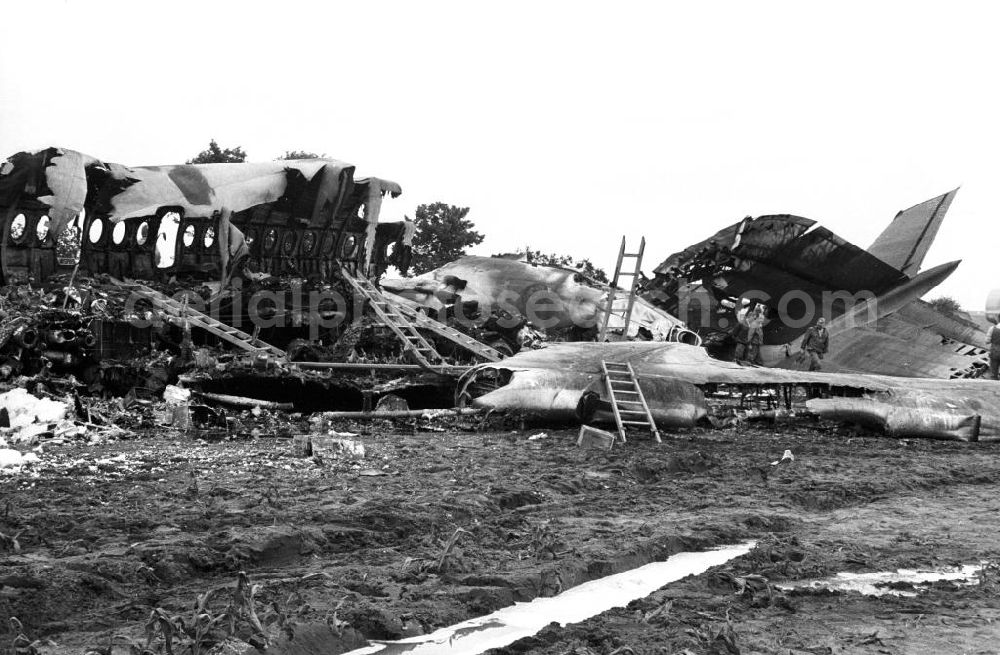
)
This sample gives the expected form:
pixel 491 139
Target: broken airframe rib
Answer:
pixel 227 333
pixel 627 401
pixel 626 314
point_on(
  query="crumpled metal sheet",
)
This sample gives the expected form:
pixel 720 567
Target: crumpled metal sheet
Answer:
pixel 782 256
pixel 66 178
pixel 813 262
pixel 781 253
pixel 377 188
pixel 199 190
pixel 63 178
pixel 54 176
pixel 510 284
pixel 899 421
pixel 895 335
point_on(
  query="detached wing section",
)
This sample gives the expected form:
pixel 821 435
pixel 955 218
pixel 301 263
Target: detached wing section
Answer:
pixel 904 244
pixel 769 257
pixel 785 260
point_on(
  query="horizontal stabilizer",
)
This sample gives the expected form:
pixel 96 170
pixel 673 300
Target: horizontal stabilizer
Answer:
pixel 905 242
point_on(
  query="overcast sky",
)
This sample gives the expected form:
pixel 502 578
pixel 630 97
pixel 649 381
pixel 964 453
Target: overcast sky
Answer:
pixel 562 125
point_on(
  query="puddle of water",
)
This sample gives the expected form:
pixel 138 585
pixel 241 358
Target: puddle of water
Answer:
pixel 573 605
pixel 879 584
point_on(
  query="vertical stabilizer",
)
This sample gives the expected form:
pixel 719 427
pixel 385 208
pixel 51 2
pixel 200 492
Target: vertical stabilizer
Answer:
pixel 905 242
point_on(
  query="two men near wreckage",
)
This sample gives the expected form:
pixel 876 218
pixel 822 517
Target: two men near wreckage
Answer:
pixel 749 336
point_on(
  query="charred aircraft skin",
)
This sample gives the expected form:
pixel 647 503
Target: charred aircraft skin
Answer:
pixel 550 297
pixel 799 269
pixel 299 217
pixel 563 382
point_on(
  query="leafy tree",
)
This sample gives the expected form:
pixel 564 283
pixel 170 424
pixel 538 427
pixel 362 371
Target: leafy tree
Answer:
pixel 301 154
pixel 585 266
pixel 442 235
pixel 216 155
pixel 946 305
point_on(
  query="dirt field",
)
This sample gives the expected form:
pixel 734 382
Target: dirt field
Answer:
pixel 345 547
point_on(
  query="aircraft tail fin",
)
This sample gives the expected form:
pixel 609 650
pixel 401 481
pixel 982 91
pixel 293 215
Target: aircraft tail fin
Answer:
pixel 905 242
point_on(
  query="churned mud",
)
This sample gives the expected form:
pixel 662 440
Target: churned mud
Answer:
pixel 114 547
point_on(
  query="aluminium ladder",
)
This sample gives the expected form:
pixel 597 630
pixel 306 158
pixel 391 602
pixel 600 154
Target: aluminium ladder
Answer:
pixel 193 317
pixel 628 404
pixel 403 321
pixel 626 313
pixel 472 345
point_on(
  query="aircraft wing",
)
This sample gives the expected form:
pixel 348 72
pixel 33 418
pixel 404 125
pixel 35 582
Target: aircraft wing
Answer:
pixel 560 382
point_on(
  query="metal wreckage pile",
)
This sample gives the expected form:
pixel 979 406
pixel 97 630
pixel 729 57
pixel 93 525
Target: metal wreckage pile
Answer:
pixel 262 285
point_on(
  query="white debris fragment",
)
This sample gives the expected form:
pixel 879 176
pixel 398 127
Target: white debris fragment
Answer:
pixel 68 430
pixel 29 433
pixel 787 457
pixel 177 411
pixel 175 395
pixel 23 409
pixel 10 458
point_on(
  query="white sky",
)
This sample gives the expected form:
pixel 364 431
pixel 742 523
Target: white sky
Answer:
pixel 562 125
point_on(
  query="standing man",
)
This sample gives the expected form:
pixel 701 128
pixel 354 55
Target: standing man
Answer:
pixel 816 343
pixel 741 332
pixel 993 343
pixel 755 326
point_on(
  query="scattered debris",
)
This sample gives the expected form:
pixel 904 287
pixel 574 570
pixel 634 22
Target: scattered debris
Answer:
pixel 22 409
pixel 786 457
pixel 335 443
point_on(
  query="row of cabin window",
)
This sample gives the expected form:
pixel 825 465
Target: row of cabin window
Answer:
pixel 119 233
pixel 19 231
pixel 310 242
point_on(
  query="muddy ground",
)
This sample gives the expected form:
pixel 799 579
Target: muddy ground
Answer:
pixel 343 548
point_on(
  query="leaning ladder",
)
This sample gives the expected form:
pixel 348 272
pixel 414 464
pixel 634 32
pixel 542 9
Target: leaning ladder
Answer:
pixel 408 319
pixel 194 318
pixel 455 336
pixel 628 404
pixel 626 314
pixel 414 344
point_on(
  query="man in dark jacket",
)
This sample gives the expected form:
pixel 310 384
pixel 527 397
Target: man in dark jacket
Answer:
pixel 815 343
